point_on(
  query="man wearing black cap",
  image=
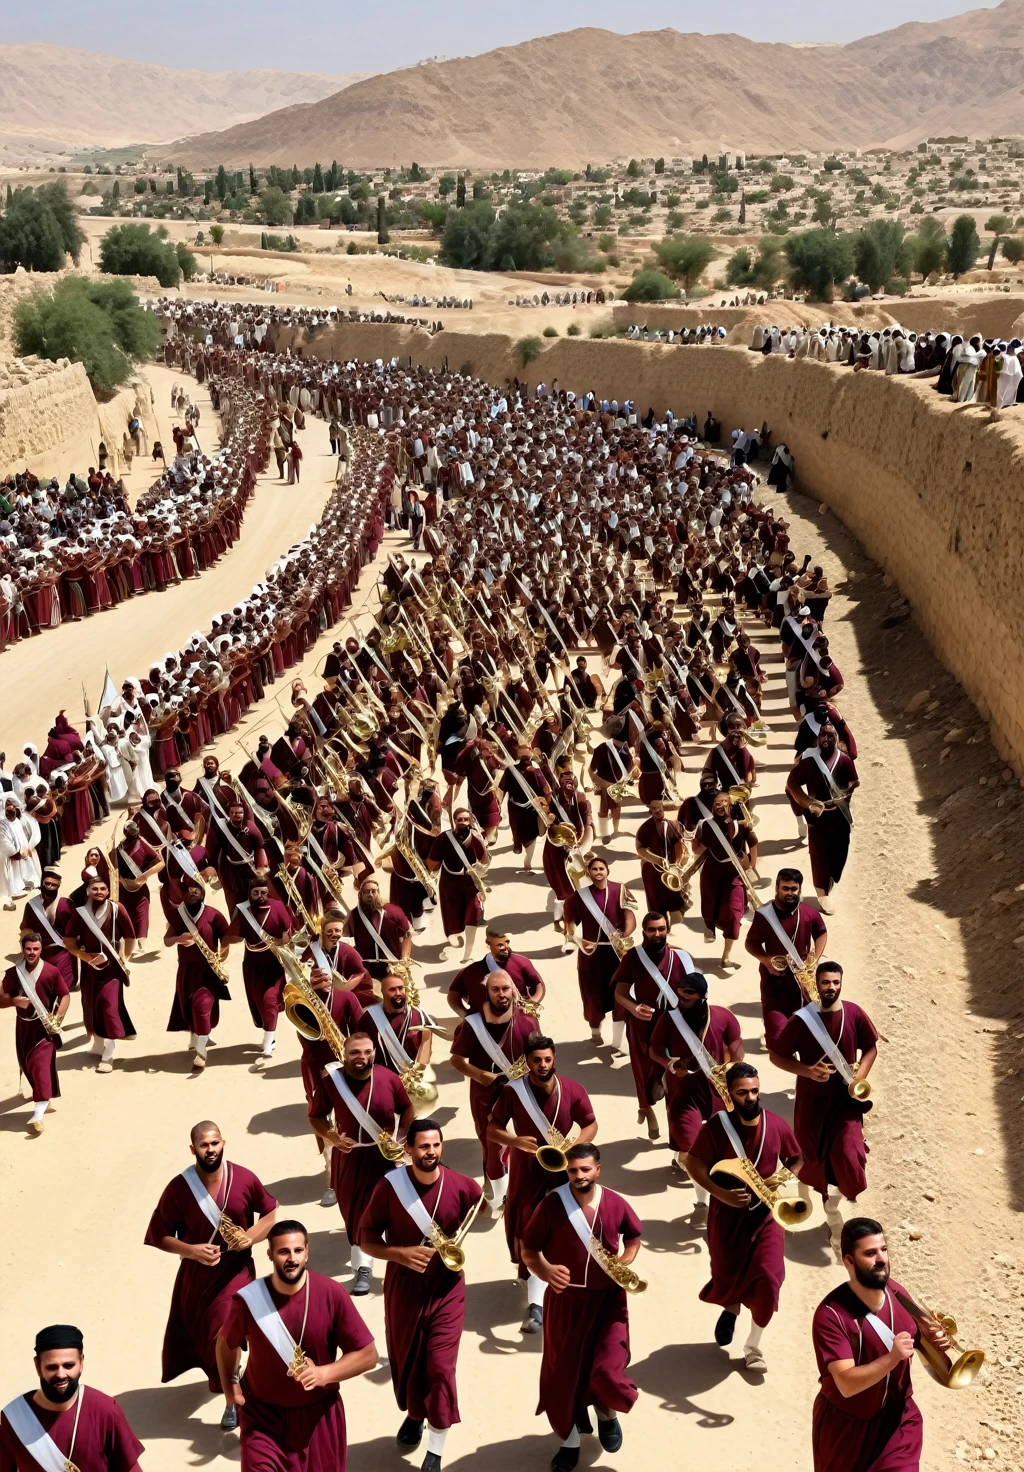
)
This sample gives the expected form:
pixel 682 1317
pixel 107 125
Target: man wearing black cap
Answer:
pixel 65 1423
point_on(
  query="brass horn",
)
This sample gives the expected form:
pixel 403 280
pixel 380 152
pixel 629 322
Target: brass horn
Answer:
pixel 955 1375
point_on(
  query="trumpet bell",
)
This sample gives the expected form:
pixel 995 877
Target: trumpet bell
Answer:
pixel 549 1157
pixel 739 793
pixel 794 1214
pixel 859 1089
pixel 672 879
pixel 562 835
pixel 301 1015
pixel 964 1370
pixel 453 1257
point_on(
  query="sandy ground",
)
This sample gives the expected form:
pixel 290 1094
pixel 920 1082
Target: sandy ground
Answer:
pixel 115 1141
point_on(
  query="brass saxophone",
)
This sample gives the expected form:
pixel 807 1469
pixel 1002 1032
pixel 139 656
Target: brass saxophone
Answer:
pixel 233 1235
pixel 405 846
pixel 209 955
pixel 304 1008
pixel 291 889
pixel 793 1214
pixel 619 1271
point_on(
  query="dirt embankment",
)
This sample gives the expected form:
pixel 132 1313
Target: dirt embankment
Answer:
pixel 933 491
pixel 994 316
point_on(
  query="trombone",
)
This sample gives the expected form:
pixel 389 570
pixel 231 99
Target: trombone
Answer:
pixel 955 1375
pixel 450 1249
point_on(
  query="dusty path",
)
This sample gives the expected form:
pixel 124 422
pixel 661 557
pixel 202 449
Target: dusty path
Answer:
pixel 115 1141
pixel 44 674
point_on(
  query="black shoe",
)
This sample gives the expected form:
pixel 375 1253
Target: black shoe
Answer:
pixel 565 1459
pixel 725 1328
pixel 410 1433
pixel 584 1425
pixel 609 1434
pixel 229 1420
pixel 431 1463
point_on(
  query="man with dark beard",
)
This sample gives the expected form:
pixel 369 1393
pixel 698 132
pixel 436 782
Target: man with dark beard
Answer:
pixel 645 984
pixel 380 933
pixel 64 1422
pixel 745 1243
pixel 367 1101
pixel 521 1119
pixel 586 1314
pixel 211 1193
pixel 424 1301
pixel 822 783
pixel 865 1416
pixel 783 935
pixel 294 1322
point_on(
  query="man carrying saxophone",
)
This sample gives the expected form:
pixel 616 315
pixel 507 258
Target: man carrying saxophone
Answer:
pixel 418 1207
pixel 745 1242
pixel 532 1118
pixel 572 1243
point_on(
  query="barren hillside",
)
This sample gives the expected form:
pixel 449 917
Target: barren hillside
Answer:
pixel 593 94
pixel 61 96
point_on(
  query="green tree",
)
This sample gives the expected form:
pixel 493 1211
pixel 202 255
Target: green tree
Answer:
pixel 928 247
pixel 460 192
pixel 528 349
pixel 115 192
pixel 685 257
pixel 881 252
pixel 742 217
pixel 818 259
pixel 275 206
pixel 415 173
pixel 1013 250
pixel 739 270
pixel 782 183
pixel 318 179
pixel 659 165
pixel 770 265
pixel 136 250
pixel 467 237
pixel 38 229
pixel 633 169
pixel 964 245
pixel 217 234
pixel 602 215
pixel 305 210
pixel 222 183
pixel 382 221
pixel 97 324
pixel 446 185
pixel 998 225
pixel 650 286
pixel 524 237
pixel 253 185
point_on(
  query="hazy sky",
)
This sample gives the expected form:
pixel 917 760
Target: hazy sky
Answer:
pixel 336 35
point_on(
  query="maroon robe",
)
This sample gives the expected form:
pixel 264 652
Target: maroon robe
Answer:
pixel 780 991
pixel 283 1427
pixel 647 1076
pixel 390 927
pixel 261 970
pixel 828 1124
pixel 595 972
pixel 828 834
pixel 659 836
pixel 103 1006
pixel 528 1182
pixel 136 901
pixel 470 984
pixel 346 1010
pixel 104 1442
pixel 690 1098
pixel 35 1048
pixel 880 1429
pixel 523 818
pixel 409 1026
pixel 742 760
pixel 746 1244
pixel 172 876
pixel 201 1298
pixel 511 1039
pixel 578 813
pixel 235 873
pixel 461 905
pixel 59 914
pixel 349 965
pixel 586 1326
pixel 198 992
pixel 723 895
pixel 480 795
pixel 423 1312
pixel 353 1176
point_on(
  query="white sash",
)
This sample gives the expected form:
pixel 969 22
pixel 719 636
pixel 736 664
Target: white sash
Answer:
pixel 812 1018
pixel 269 1322
pixel 691 1040
pixel 105 944
pixel 212 799
pixel 460 851
pixel 244 908
pixel 488 1044
pixel 389 955
pixel 665 988
pixel 738 780
pixel 28 986
pixel 734 1139
pixel 26 1426
pixel 184 860
pixel 623 774
pixel 204 1200
pixel 595 910
pixel 401 1183
pixel 133 867
pixel 320 957
pixel 839 795
pixel 524 1094
pixel 390 1039
pixel 579 1223
pixel 730 852
pixel 226 829
pixel 884 1332
pixel 364 1119
pixel 155 828
pixel 769 913
pixel 168 801
pixel 39 911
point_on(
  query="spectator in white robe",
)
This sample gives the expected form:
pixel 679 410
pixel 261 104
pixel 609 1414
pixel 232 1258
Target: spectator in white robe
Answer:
pixel 1010 374
pixel 24 867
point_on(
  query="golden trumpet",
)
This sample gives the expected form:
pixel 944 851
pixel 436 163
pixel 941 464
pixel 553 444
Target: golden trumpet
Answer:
pixel 619 1271
pixel 450 1249
pixel 955 1375
pixel 793 1214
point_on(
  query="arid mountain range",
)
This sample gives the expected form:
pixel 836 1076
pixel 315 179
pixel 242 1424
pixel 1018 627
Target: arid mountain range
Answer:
pixel 589 95
pixel 60 97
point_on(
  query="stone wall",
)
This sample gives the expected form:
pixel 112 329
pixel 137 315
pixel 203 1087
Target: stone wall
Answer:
pixel 50 422
pixel 933 491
